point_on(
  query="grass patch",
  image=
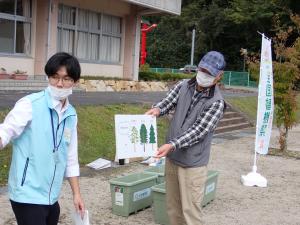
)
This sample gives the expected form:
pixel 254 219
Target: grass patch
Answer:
pixel 96 133
pixel 248 105
pixel 5 155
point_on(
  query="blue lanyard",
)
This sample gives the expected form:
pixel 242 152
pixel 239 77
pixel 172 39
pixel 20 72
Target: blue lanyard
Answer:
pixel 56 145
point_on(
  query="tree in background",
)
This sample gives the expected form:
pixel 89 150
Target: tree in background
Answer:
pixel 143 135
pixel 286 73
pixel 245 18
pixel 167 48
pixel 222 25
pixel 134 137
pixel 152 136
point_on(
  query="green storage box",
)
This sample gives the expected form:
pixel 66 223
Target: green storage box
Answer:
pixel 159 197
pixel 210 187
pixel 159 171
pixel 159 204
pixel 131 193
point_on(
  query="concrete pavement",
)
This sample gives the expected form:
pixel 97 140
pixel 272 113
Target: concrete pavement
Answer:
pixel 8 98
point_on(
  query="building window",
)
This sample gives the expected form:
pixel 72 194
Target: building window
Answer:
pixel 15 26
pixel 89 35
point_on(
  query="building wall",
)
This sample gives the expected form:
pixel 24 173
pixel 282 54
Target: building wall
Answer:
pixel 112 7
pixel 11 63
pixel 102 70
pixel 41 36
pixel 44 38
pixel 170 6
pixel 129 45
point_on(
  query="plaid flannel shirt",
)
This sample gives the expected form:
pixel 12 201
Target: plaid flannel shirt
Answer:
pixel 205 122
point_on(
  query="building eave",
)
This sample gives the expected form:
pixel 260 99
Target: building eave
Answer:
pixel 156 8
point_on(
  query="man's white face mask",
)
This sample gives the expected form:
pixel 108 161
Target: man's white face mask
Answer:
pixel 204 79
pixel 59 93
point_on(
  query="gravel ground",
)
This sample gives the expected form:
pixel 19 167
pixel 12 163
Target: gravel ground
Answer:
pixel 278 204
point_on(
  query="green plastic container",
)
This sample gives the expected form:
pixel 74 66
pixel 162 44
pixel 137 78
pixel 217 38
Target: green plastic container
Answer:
pixel 131 193
pixel 210 187
pixel 159 171
pixel 159 203
pixel 159 197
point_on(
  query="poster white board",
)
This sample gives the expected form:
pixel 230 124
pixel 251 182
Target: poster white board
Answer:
pixel 136 136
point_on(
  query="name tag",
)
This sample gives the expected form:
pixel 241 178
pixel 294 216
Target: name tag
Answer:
pixel 56 157
pixel 67 135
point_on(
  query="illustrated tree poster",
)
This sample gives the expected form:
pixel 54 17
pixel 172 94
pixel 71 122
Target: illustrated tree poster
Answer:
pixel 136 136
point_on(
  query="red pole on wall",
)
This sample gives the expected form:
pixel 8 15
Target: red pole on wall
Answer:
pixel 145 28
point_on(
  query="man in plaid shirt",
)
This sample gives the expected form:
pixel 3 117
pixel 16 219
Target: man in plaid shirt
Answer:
pixel 198 106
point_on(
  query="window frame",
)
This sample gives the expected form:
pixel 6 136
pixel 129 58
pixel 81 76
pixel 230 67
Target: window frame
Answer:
pixel 90 32
pixel 17 18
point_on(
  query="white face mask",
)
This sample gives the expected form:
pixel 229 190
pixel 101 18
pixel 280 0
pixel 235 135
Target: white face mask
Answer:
pixel 59 93
pixel 204 79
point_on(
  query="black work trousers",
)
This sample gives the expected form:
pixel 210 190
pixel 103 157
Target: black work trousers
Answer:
pixel 32 214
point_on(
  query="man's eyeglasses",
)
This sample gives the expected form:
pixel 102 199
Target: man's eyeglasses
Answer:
pixel 67 81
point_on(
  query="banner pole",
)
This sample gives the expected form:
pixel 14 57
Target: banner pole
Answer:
pixel 264 113
pixel 255 162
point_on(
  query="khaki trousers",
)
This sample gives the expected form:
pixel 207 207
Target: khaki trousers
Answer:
pixel 184 193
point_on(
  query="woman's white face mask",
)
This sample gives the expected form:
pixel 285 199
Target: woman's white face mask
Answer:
pixel 204 79
pixel 59 93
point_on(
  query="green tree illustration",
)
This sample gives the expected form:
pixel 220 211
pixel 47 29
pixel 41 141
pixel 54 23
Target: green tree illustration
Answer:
pixel 152 136
pixel 143 135
pixel 134 138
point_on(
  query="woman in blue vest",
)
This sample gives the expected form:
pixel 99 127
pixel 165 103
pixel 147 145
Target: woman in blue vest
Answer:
pixel 43 130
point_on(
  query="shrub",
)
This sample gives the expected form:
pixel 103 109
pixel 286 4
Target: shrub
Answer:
pixel 152 76
pixel 145 68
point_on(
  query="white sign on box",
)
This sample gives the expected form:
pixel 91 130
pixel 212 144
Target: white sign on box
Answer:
pixel 136 136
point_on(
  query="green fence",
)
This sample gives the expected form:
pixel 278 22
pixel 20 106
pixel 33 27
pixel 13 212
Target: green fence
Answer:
pixel 230 78
pixel 233 78
pixel 164 70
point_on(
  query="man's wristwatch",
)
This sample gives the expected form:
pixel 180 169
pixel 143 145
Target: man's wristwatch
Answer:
pixel 173 146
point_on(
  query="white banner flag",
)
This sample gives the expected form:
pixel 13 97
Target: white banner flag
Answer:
pixel 265 106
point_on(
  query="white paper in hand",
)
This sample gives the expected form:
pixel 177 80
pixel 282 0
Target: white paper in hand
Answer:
pixel 77 220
